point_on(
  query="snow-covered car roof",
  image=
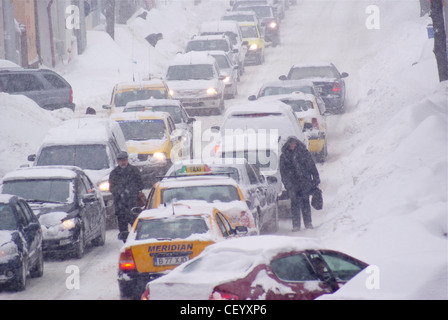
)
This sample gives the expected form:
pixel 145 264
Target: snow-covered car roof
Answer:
pixel 153 102
pixel 258 107
pixel 219 26
pixel 316 64
pixel 288 83
pixel 5 198
pixel 180 208
pixel 141 84
pixel 139 115
pixel 56 172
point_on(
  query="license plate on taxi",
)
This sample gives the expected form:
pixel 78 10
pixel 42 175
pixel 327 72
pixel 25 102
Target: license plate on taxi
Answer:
pixel 169 261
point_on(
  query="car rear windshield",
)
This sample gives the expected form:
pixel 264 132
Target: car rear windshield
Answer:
pixel 312 72
pixel 7 218
pixel 170 228
pixel 208 193
pixel 91 157
pixel 207 45
pixel 139 130
pixel 41 190
pixel 273 91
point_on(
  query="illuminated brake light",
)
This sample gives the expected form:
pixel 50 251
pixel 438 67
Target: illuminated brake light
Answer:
pixel 145 295
pixel 127 261
pixel 217 295
pixel 336 87
pixel 71 95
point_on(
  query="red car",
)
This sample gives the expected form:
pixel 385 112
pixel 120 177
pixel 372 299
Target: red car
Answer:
pixel 258 268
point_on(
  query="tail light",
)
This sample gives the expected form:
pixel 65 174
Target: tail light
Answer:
pixel 218 295
pixel 71 95
pixel 126 261
pixel 337 87
pixel 315 123
pixel 145 295
pixel 216 149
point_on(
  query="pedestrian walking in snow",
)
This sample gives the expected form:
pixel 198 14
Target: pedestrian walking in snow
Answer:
pixel 125 184
pixel 300 177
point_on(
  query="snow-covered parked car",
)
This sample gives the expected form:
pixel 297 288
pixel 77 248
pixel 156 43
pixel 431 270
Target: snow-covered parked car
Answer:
pixel 70 208
pixel 166 237
pixel 260 195
pixel 20 242
pixel 194 79
pixel 327 79
pixel 258 268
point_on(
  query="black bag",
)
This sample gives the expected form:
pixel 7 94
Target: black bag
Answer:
pixel 317 200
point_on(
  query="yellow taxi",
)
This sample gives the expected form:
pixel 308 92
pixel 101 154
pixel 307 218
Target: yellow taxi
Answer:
pixel 166 237
pixel 198 186
pixel 153 142
pixel 126 92
pixel 256 44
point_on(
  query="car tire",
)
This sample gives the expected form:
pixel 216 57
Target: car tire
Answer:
pixel 19 281
pixel 101 239
pixel 38 270
pixel 80 247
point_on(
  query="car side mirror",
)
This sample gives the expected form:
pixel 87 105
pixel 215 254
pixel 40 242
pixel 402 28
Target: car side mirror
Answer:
pixel 283 77
pixel 344 75
pixel 32 157
pixel 252 98
pixel 271 179
pixel 88 197
pixel 106 106
pixel 245 43
pixel 215 128
pixel 191 120
pixel 240 230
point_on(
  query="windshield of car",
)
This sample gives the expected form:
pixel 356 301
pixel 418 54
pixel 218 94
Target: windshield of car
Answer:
pixel 273 91
pixel 91 157
pixel 122 98
pixel 208 193
pixel 299 105
pixel 42 190
pixel 208 45
pixel 170 228
pixel 174 111
pixel 139 130
pixel 190 72
pixel 249 31
pixel 7 218
pixel 312 72
pixel 223 63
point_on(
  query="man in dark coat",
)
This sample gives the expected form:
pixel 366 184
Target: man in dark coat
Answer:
pixel 299 176
pixel 125 184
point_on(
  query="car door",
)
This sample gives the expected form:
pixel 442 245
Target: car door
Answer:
pixel 86 209
pixel 296 274
pixel 95 204
pixel 31 230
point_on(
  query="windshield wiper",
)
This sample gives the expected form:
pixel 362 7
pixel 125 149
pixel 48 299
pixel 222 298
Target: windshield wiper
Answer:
pixel 48 201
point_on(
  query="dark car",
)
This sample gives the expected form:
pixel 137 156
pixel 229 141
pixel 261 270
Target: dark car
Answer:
pixel 69 207
pixel 328 80
pixel 258 268
pixel 47 88
pixel 20 243
pixel 270 25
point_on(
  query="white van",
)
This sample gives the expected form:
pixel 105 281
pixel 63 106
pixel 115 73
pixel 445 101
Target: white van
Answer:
pixel 257 131
pixel 89 143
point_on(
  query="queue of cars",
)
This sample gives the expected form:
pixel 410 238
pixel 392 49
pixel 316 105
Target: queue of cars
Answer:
pixel 192 203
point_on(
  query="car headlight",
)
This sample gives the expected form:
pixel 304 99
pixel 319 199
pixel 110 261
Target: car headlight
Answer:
pixel 273 25
pixel 104 186
pixel 226 80
pixel 212 91
pixel 69 224
pixel 9 249
pixel 253 46
pixel 171 92
pixel 159 156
